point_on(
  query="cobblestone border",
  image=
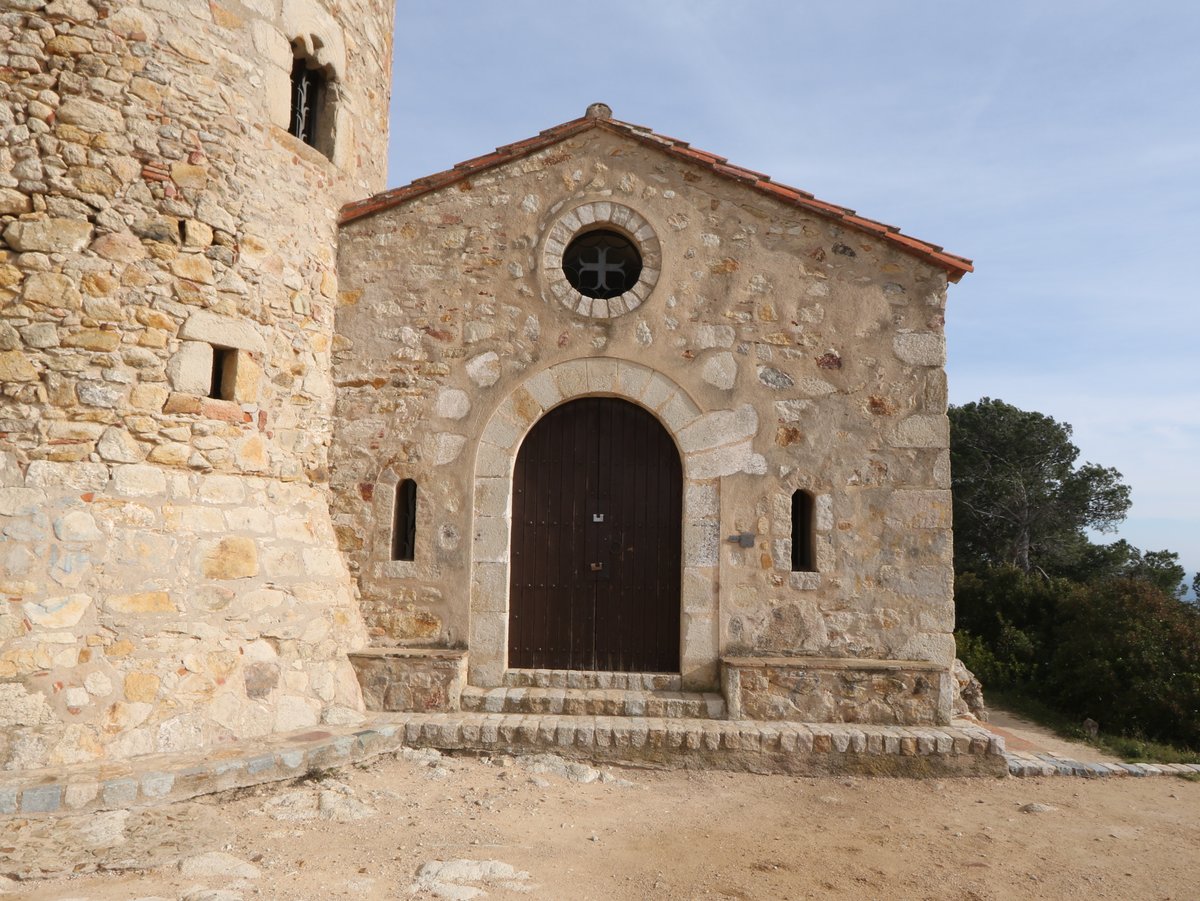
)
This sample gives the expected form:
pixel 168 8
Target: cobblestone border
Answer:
pixel 1027 765
pixel 678 743
pixel 802 749
pixel 760 747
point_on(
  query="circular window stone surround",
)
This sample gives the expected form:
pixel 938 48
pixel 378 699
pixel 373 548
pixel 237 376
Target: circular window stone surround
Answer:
pixel 602 214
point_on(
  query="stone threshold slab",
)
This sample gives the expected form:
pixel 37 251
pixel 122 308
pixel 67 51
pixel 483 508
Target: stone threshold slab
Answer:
pixel 594 702
pixel 599 679
pixel 1028 765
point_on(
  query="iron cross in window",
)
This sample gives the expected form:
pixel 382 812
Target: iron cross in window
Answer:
pixel 601 268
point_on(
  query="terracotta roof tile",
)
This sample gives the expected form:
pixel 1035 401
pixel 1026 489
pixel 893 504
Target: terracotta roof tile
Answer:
pixel 955 266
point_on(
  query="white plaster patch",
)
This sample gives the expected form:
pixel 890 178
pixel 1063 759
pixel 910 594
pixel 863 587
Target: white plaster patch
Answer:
pixel 447 448
pixel 58 613
pixel 484 370
pixel 920 348
pixel 452 404
pixel 720 371
pixel 77 525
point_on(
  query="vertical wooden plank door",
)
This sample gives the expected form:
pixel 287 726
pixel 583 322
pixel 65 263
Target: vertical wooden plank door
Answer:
pixel 596 540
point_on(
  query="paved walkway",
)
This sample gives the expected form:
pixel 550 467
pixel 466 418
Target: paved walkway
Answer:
pixel 1024 736
pixel 1034 750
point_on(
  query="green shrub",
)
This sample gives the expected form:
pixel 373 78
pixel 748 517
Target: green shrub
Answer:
pixel 1121 651
pixel 1011 615
pixel 1128 656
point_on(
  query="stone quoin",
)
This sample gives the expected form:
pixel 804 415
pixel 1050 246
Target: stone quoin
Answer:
pixel 260 437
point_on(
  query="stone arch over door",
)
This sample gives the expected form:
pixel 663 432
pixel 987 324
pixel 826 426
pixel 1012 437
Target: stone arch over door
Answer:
pixel 712 444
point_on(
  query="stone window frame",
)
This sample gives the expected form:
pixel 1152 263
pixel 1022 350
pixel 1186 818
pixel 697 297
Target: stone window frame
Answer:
pixel 401 549
pixel 309 25
pixel 228 361
pixel 821 536
pixel 598 215
pixel 499 443
pixel 383 508
pixel 190 369
pixel 311 49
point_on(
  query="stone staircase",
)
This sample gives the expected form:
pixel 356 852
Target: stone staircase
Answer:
pixel 578 693
pixel 643 719
pixel 594 702
pixel 591 679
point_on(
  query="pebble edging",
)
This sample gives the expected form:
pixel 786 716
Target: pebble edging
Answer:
pixel 719 744
pixel 661 742
pixel 1026 765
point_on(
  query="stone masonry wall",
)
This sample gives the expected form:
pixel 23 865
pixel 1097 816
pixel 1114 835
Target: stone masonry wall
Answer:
pixel 168 571
pixel 151 609
pixel 805 355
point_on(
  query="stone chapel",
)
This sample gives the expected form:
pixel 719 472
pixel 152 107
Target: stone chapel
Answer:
pixel 609 403
pixel 597 423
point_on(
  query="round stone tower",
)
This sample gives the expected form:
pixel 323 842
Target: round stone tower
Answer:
pixel 170 177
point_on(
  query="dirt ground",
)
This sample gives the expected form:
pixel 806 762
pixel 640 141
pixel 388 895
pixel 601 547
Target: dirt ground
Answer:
pixel 428 826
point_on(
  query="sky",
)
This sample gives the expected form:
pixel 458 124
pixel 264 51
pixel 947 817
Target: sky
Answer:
pixel 1057 144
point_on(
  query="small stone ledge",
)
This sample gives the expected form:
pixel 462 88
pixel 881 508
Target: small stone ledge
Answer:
pixel 837 663
pixel 837 690
pixel 410 679
pixel 414 653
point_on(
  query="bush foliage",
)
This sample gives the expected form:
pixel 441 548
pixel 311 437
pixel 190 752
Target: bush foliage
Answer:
pixel 1119 650
pixel 1090 630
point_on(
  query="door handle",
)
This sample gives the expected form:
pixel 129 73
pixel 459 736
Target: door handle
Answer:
pixel 596 567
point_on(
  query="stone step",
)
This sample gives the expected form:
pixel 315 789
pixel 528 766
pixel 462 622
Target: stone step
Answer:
pixel 594 702
pixel 686 743
pixel 569 678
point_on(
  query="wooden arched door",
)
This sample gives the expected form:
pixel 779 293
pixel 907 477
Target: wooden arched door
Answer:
pixel 596 535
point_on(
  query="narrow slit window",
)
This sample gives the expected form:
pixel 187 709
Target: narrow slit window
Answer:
pixel 224 373
pixel 802 532
pixel 404 521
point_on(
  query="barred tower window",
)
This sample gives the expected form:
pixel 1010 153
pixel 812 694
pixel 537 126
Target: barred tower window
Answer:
pixel 312 104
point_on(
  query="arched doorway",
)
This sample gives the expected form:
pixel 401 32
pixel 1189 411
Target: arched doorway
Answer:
pixel 596 541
